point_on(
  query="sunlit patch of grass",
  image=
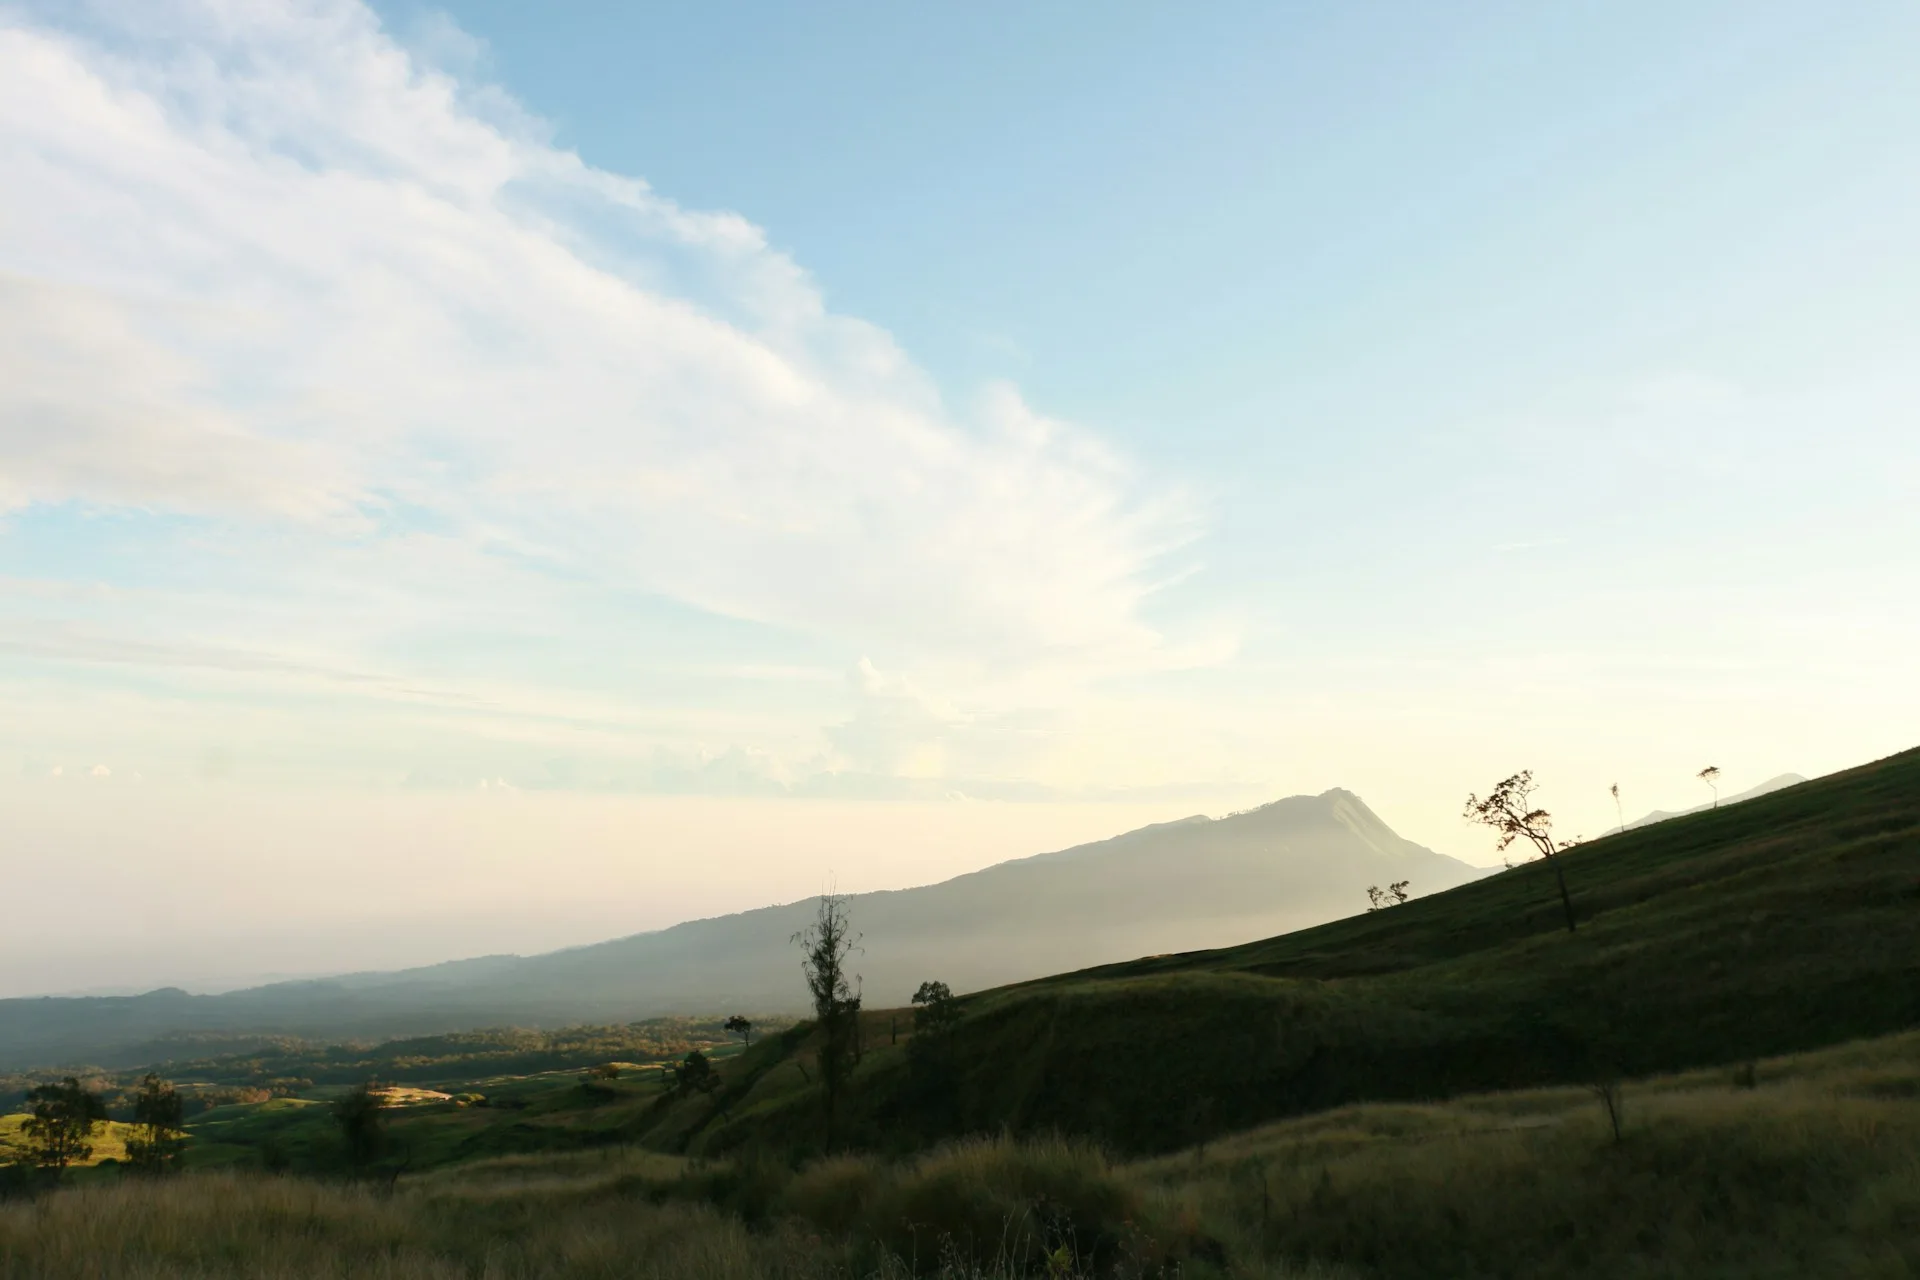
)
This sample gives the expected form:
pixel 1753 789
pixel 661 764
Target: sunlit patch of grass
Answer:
pixel 109 1141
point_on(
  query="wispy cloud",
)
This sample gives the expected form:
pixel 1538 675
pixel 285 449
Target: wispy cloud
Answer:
pixel 262 265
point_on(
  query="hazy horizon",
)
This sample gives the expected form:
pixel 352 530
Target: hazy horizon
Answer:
pixel 482 478
pixel 441 915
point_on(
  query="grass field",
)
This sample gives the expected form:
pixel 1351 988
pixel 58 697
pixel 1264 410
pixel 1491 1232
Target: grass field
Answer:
pixel 459 1117
pixel 1427 1091
pixel 1807 1167
pixel 1780 924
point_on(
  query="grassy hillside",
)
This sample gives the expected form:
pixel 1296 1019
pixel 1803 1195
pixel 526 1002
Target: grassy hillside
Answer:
pixel 1809 1166
pixel 1785 923
pixel 1789 922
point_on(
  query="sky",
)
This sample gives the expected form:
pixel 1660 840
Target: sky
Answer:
pixel 490 477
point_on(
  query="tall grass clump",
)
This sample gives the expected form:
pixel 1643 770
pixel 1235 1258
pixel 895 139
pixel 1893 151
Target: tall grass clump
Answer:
pixel 235 1226
pixel 1046 1206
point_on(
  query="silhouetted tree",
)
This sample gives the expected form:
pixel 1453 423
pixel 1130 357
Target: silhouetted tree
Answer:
pixel 1391 896
pixel 1620 812
pixel 826 946
pixel 742 1026
pixel 930 1054
pixel 361 1115
pixel 1510 811
pixel 935 1011
pixel 60 1125
pixel 1711 776
pixel 695 1074
pixel 157 1140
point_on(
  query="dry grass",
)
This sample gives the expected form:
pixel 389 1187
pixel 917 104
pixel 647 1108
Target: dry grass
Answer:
pixel 1814 1170
pixel 266 1228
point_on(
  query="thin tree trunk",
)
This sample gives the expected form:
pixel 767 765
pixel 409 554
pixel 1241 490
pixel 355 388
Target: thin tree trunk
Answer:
pixel 1566 899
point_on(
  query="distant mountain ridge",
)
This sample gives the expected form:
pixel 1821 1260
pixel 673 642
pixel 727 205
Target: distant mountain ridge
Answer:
pixel 1177 886
pixel 1768 787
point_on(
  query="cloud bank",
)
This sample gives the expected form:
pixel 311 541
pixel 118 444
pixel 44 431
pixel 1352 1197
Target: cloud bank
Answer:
pixel 263 268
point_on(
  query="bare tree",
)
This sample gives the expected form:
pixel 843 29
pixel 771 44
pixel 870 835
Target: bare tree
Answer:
pixel 826 945
pixel 1711 776
pixel 1608 1093
pixel 1510 811
pixel 1615 789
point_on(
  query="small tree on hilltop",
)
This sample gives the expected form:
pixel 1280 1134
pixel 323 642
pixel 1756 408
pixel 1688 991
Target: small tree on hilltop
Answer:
pixel 361 1115
pixel 1393 895
pixel 930 1054
pixel 935 1011
pixel 825 947
pixel 742 1026
pixel 1618 811
pixel 1510 811
pixel 158 1114
pixel 1711 776
pixel 60 1125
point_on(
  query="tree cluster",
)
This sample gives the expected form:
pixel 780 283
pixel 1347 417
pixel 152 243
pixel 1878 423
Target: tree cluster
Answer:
pixel 157 1139
pixel 61 1120
pixel 1391 896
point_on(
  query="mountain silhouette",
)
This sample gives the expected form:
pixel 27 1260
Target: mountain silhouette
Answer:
pixel 1176 886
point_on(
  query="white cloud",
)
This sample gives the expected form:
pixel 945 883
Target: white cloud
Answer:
pixel 260 264
pixel 896 729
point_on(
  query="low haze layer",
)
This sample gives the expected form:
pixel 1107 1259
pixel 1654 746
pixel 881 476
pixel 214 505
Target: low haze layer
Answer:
pixel 1176 886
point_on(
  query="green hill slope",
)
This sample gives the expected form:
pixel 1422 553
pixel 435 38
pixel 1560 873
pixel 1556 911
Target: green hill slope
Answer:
pixel 1787 922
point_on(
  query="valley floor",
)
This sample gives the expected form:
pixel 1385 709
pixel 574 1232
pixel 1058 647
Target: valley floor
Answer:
pixel 1804 1166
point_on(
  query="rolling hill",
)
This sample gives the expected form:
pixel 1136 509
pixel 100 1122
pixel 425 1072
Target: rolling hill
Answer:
pixel 1172 887
pixel 1785 923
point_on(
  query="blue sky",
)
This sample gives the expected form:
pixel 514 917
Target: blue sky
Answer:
pixel 1071 415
